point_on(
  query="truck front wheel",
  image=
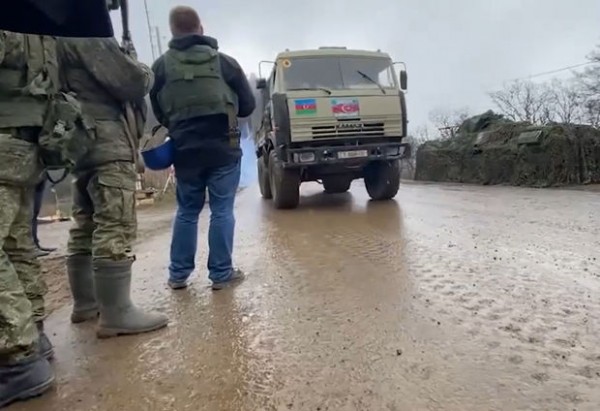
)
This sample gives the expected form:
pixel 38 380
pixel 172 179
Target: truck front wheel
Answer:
pixel 336 184
pixel 382 179
pixel 285 184
pixel 263 177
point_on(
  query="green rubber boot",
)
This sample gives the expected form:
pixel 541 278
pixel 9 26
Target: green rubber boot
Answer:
pixel 81 280
pixel 118 315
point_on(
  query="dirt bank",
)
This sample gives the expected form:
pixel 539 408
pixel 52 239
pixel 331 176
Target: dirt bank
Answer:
pixel 488 149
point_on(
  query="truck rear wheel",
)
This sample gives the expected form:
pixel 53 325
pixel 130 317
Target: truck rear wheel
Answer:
pixel 382 179
pixel 336 184
pixel 263 177
pixel 285 184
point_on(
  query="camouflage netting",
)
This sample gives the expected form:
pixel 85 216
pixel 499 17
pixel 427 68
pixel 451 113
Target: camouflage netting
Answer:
pixel 488 149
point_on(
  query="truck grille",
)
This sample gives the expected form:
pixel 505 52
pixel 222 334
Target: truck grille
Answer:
pixel 348 129
pixel 322 129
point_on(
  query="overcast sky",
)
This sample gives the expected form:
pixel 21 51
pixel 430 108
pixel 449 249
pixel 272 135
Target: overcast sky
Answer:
pixel 456 50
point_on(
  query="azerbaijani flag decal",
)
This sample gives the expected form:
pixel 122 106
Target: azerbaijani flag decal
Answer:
pixel 306 106
pixel 345 107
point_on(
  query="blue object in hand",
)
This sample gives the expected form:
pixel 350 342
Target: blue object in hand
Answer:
pixel 159 157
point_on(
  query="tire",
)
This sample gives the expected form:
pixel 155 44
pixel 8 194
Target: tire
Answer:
pixel 263 178
pixel 382 179
pixel 336 184
pixel 285 184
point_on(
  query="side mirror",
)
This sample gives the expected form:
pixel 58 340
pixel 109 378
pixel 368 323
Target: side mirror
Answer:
pixel 261 84
pixel 403 79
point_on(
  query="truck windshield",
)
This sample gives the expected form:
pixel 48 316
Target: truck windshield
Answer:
pixel 338 73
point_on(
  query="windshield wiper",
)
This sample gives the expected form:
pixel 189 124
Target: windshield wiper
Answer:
pixel 326 90
pixel 371 80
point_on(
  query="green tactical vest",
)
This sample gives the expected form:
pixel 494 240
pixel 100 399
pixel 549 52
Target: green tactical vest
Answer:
pixel 29 97
pixel 28 78
pixel 194 86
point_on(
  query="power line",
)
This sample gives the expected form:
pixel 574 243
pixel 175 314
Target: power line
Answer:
pixel 545 73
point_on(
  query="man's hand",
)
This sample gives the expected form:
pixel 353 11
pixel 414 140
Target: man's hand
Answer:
pixel 129 49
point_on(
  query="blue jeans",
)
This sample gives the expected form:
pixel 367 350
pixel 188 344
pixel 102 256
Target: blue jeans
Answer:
pixel 222 184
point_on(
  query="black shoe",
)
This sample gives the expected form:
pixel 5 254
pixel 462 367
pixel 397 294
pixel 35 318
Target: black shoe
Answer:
pixel 177 285
pixel 26 379
pixel 44 345
pixel 236 277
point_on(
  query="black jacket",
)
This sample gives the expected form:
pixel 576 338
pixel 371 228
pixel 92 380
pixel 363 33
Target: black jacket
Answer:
pixel 204 141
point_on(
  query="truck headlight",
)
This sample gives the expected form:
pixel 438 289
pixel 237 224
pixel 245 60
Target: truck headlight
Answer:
pixel 304 157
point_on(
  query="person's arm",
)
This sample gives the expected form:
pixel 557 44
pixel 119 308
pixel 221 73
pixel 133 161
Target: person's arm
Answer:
pixel 120 75
pixel 159 82
pixel 235 77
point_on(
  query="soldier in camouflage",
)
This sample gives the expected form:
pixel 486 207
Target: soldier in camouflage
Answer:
pixel 28 81
pixel 105 80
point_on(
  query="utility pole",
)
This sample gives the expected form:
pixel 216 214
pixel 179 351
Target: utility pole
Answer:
pixel 158 40
pixel 150 31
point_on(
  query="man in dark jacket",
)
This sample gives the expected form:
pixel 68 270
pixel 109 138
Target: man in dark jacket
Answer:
pixel 198 94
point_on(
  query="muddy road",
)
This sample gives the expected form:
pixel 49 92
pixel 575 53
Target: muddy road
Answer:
pixel 449 298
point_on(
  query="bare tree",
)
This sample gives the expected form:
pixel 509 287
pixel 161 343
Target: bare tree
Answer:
pixel 589 86
pixel 565 101
pixel 524 101
pixel 448 121
pixel 591 112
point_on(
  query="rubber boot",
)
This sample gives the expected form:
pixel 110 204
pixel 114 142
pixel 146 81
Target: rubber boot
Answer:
pixel 44 345
pixel 81 280
pixel 25 379
pixel 118 315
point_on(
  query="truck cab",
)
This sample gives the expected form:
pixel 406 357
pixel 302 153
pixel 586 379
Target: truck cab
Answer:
pixel 331 115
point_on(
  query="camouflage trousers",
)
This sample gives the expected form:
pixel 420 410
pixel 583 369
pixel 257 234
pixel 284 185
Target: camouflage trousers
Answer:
pixel 105 221
pixel 22 288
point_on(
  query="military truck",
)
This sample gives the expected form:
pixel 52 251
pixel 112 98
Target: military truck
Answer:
pixel 331 115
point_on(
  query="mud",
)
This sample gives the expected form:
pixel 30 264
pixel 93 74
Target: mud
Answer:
pixel 450 298
pixel 151 220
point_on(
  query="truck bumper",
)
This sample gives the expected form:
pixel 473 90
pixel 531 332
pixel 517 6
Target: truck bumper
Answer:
pixel 363 153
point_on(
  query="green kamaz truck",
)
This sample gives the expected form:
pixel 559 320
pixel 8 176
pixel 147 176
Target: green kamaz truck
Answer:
pixel 331 115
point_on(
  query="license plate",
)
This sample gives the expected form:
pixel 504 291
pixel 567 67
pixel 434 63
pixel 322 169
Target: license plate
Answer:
pixel 353 154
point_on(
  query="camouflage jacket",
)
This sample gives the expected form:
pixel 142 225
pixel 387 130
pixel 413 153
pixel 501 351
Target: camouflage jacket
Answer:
pixel 28 78
pixel 104 79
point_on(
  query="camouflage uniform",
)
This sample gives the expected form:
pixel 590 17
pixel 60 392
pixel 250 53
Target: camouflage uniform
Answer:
pixel 106 81
pixel 28 75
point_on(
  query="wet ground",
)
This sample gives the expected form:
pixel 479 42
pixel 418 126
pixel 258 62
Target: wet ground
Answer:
pixel 449 298
pixel 151 221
